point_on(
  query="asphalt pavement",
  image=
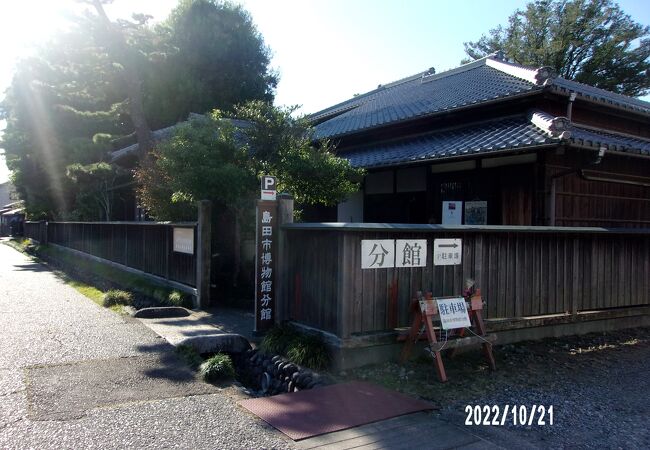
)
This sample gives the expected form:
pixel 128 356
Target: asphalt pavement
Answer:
pixel 75 375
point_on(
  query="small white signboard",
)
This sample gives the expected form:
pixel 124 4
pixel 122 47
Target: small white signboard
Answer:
pixel 452 213
pixel 410 253
pixel 447 252
pixel 184 240
pixel 269 188
pixel 377 254
pixel 453 313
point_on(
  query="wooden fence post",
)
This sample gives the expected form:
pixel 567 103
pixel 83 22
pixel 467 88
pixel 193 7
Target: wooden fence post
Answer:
pixel 285 215
pixel 203 254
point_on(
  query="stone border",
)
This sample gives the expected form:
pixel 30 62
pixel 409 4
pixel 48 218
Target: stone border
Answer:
pixel 273 374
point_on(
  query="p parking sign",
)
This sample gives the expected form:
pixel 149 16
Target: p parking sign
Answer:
pixel 269 187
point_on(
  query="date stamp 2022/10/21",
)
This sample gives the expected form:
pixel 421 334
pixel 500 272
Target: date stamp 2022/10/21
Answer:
pixel 517 415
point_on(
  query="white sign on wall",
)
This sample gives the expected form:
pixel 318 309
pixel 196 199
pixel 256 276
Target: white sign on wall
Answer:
pixel 410 253
pixel 452 213
pixel 447 252
pixel 377 254
pixel 453 313
pixel 184 240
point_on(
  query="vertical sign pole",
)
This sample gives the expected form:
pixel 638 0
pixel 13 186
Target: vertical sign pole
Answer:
pixel 265 265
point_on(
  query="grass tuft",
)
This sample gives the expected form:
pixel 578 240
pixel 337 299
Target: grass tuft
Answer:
pixel 117 297
pixel 305 350
pixel 309 351
pixel 217 368
pixel 277 340
pixel 176 298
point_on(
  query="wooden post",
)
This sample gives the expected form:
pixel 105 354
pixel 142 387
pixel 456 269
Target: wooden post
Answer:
pixel 285 215
pixel 203 254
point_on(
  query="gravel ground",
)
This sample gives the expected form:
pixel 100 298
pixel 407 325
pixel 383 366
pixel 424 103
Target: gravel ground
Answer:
pixel 49 328
pixel 598 385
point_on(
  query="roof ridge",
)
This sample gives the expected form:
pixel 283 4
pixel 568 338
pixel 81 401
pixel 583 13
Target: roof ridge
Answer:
pixel 420 75
pixel 462 68
pixel 556 127
pixel 541 76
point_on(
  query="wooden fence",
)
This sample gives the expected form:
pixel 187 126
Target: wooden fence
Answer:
pixel 143 246
pixel 521 271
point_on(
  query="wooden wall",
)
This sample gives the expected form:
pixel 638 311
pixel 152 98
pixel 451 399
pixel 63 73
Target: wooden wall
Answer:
pixel 521 271
pixel 580 203
pixel 144 246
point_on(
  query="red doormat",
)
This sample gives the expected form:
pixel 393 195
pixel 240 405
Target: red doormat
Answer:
pixel 304 414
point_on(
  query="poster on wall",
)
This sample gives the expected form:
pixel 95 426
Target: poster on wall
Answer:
pixel 476 213
pixel 452 213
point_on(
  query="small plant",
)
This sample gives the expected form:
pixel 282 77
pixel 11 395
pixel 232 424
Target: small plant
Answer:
pixel 176 298
pixel 309 351
pixel 117 297
pixel 218 367
pixel 189 355
pixel 277 340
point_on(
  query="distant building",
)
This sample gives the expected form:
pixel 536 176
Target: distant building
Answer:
pixel 492 142
pixel 7 194
pixel 12 214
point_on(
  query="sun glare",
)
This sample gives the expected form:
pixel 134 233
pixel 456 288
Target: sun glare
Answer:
pixel 26 23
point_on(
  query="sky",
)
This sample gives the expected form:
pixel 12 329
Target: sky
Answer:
pixel 324 50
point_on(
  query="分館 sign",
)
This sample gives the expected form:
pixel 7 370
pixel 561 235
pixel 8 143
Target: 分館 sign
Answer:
pixel 389 253
pixel 184 240
pixel 453 313
pixel 447 252
pixel 377 254
pixel 269 188
pixel 410 253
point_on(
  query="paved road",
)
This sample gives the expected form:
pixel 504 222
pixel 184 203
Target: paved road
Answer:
pixel 74 375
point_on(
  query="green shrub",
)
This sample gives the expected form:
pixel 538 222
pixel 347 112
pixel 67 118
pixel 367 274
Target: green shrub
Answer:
pixel 189 355
pixel 277 340
pixel 117 297
pixel 176 298
pixel 219 367
pixel 309 351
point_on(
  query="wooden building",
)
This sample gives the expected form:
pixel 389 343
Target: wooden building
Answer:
pixel 515 145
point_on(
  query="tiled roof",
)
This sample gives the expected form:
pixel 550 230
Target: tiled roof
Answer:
pixel 611 141
pixel 487 79
pixel 501 135
pixel 591 93
pixel 418 97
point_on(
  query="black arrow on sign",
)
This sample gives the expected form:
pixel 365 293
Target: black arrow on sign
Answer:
pixel 448 245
